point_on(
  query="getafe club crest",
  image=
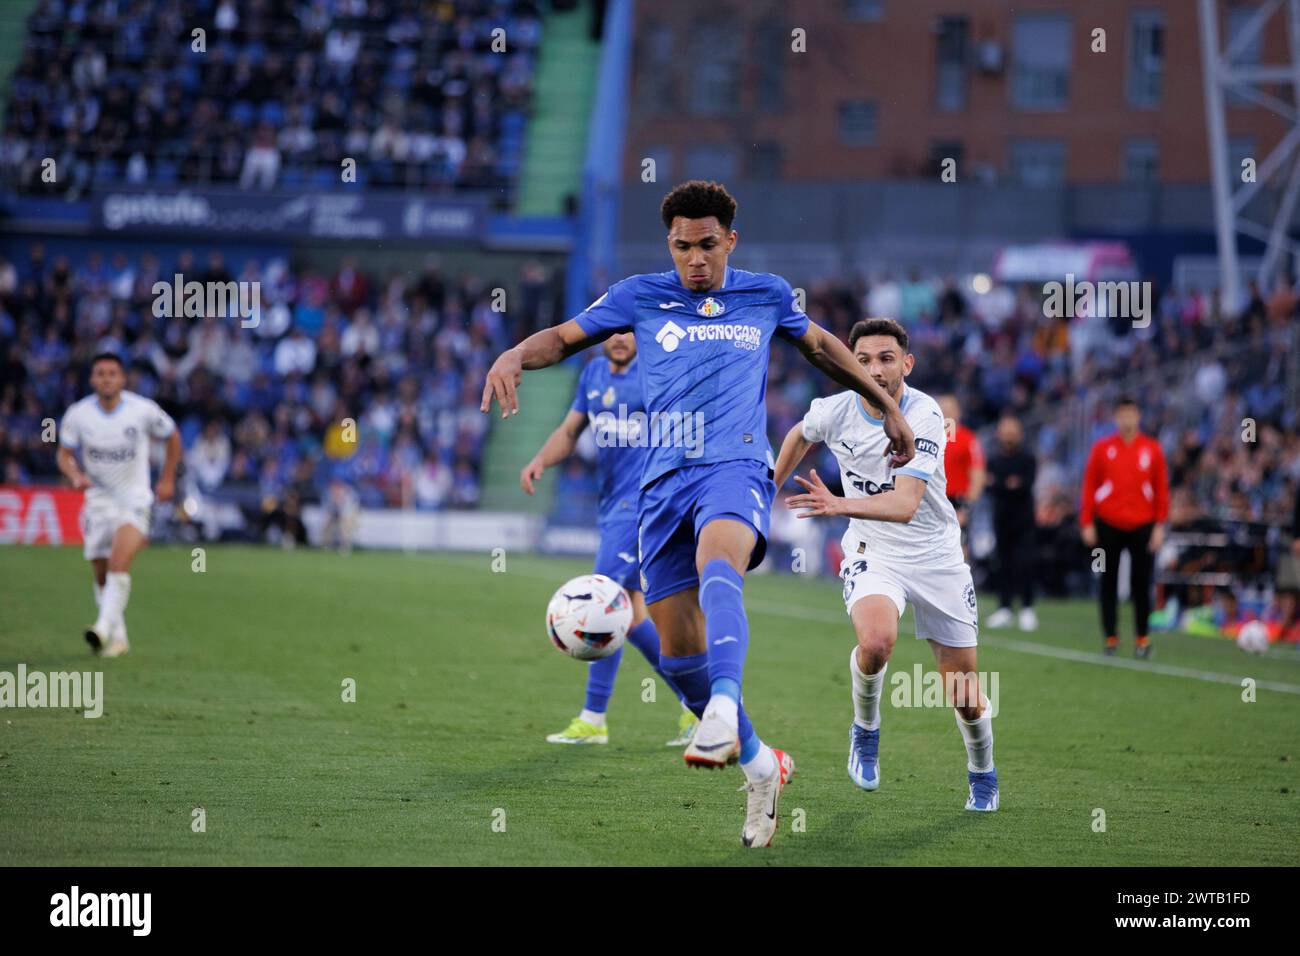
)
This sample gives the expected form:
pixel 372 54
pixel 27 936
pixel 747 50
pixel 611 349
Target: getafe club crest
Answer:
pixel 608 398
pixel 710 308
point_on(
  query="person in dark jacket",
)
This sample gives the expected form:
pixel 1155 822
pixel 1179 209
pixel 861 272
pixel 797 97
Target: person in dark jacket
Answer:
pixel 1010 486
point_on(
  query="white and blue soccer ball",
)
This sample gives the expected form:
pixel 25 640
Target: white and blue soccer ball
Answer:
pixel 1253 637
pixel 589 617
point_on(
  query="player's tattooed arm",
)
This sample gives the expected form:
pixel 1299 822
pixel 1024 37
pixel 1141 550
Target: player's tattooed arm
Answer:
pixel 557 447
pixel 833 357
pixel 67 461
pixel 540 350
pixel 900 504
pixel 167 480
pixel 792 452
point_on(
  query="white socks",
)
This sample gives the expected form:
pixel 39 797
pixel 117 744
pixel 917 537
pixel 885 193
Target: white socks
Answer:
pixel 99 592
pixel 866 694
pixel 593 718
pixel 762 766
pixel 112 603
pixel 728 710
pixel 978 735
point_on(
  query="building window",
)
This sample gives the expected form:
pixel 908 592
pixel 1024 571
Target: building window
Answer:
pixel 1037 162
pixel 858 122
pixel 717 161
pixel 1040 62
pixel 764 161
pixel 1249 54
pixel 952 63
pixel 1146 60
pixel 864 9
pixel 1141 161
pixel 715 65
pixel 772 47
pixel 656 73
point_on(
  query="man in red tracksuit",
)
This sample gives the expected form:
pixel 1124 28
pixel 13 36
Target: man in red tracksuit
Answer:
pixel 1125 506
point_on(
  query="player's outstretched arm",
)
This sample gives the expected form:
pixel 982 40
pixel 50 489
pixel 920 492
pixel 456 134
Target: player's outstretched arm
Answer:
pixel 557 447
pixel 833 357
pixel 793 449
pixel 899 505
pixel 67 461
pixel 540 350
pixel 167 480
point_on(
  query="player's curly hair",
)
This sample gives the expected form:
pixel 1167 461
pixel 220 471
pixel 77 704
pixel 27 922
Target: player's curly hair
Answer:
pixel 864 327
pixel 697 199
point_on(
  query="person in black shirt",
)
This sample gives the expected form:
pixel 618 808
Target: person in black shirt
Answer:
pixel 1010 486
pixel 1287 581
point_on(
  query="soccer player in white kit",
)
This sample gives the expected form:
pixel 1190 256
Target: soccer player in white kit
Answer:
pixel 111 431
pixel 903 545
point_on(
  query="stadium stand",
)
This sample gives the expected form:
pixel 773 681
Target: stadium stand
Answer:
pixel 279 94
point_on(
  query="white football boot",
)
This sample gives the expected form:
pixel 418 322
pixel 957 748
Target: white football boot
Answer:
pixel 715 744
pixel 762 804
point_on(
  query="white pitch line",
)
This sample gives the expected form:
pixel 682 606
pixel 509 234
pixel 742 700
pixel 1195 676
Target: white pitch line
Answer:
pixel 801 613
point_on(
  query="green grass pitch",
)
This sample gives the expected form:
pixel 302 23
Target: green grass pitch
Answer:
pixel 231 701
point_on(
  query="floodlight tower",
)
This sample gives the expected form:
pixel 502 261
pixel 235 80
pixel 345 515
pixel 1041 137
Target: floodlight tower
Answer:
pixel 1223 71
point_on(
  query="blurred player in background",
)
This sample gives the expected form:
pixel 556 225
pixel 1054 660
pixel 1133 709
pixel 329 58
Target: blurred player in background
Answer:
pixel 609 390
pixel 903 544
pixel 110 431
pixel 963 461
pixel 704 335
pixel 1012 470
pixel 1124 508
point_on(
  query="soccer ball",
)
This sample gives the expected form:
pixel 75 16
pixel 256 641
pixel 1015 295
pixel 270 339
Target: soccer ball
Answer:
pixel 589 617
pixel 1253 637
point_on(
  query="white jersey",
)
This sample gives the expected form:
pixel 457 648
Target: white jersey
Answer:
pixel 933 537
pixel 114 447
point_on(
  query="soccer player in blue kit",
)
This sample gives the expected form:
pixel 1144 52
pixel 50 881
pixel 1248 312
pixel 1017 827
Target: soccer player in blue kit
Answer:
pixel 609 398
pixel 704 332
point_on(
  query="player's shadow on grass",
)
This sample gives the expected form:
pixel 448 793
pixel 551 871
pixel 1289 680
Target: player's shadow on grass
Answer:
pixel 854 838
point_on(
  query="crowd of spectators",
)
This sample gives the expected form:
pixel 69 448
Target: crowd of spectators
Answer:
pixel 279 92
pixel 403 355
pixel 266 411
pixel 1197 373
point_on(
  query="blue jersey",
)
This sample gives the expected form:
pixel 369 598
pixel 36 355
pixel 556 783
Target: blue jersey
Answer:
pixel 612 403
pixel 703 359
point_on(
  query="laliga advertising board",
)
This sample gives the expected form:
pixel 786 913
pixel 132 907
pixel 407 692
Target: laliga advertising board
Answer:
pixel 40 515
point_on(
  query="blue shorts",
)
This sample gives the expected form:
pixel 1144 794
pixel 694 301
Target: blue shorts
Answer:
pixel 675 508
pixel 616 556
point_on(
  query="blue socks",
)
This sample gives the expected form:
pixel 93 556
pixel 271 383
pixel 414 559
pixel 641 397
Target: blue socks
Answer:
pixel 691 675
pixel 601 673
pixel 726 629
pixel 600 681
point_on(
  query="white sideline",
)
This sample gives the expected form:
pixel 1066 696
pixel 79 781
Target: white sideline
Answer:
pixel 801 613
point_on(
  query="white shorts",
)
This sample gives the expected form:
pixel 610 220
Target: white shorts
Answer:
pixel 100 521
pixel 943 599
